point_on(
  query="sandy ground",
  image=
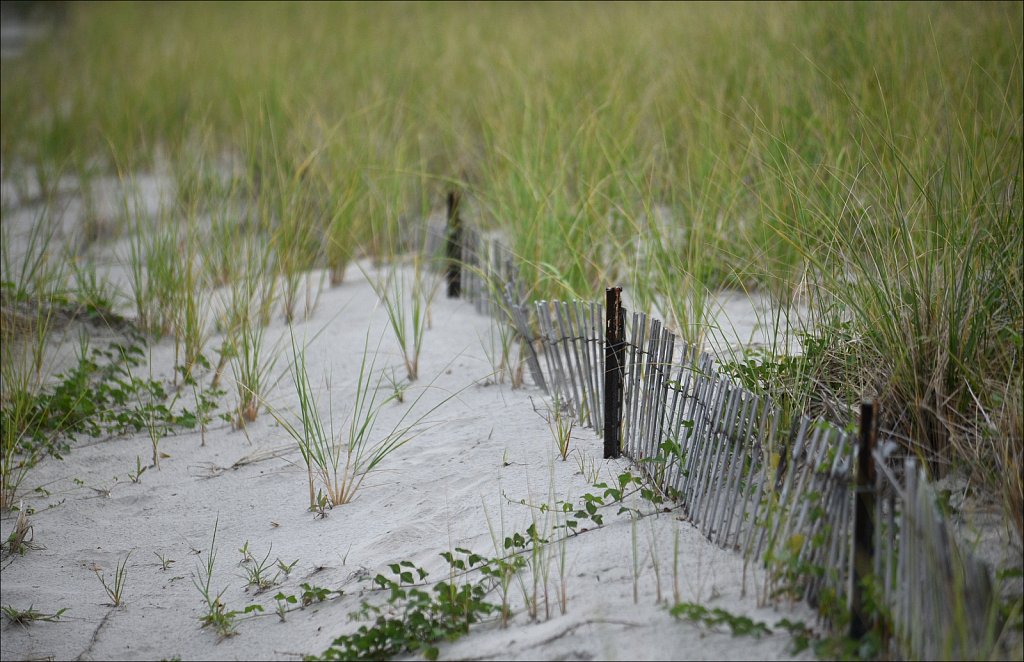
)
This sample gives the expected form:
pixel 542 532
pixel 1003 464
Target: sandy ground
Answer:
pixel 482 452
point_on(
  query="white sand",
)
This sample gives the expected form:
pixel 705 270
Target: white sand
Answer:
pixel 487 450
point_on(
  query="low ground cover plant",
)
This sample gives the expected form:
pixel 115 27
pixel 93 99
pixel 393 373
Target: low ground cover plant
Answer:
pixel 415 620
pixel 31 615
pixel 102 395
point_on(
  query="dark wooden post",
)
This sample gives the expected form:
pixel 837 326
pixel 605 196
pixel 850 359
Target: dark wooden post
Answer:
pixel 453 249
pixel 614 357
pixel 863 527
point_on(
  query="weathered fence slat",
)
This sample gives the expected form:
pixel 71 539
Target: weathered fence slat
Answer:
pixel 746 483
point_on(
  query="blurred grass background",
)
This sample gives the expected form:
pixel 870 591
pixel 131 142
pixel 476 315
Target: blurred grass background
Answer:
pixel 862 159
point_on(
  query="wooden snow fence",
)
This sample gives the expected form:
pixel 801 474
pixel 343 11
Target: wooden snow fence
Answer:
pixel 784 494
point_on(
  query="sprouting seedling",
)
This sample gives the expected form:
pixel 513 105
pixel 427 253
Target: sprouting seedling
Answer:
pixel 115 589
pixel 321 504
pixel 398 386
pixel 286 568
pixel 217 615
pixel 257 574
pixel 246 555
pixel 283 603
pixel 136 476
pixel 165 563
pixel 587 465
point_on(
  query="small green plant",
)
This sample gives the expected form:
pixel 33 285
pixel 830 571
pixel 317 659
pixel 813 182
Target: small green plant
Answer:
pixel 100 396
pixel 562 561
pixel 503 568
pixel 560 423
pixel 398 386
pixel 96 293
pixel 20 539
pixel 321 504
pixel 626 484
pixel 115 588
pixel 154 276
pixel 587 466
pixel 283 603
pixel 312 593
pixel 246 554
pixel 712 618
pixel 30 615
pixel 499 347
pixel 190 326
pixel 414 620
pixel 217 616
pixel 257 572
pixel 136 476
pixel 165 563
pixel 832 647
pixel 537 559
pixel 340 222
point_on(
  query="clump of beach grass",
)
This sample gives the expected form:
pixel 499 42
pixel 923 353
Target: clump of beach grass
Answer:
pixel 407 301
pixel 338 462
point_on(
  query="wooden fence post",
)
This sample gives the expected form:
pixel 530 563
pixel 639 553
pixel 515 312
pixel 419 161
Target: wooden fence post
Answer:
pixel 614 357
pixel 863 527
pixel 453 249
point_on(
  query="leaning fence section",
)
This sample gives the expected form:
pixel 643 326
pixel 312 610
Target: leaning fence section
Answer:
pixel 715 447
pixel 785 493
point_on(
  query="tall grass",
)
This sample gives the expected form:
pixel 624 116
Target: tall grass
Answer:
pixel 860 159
